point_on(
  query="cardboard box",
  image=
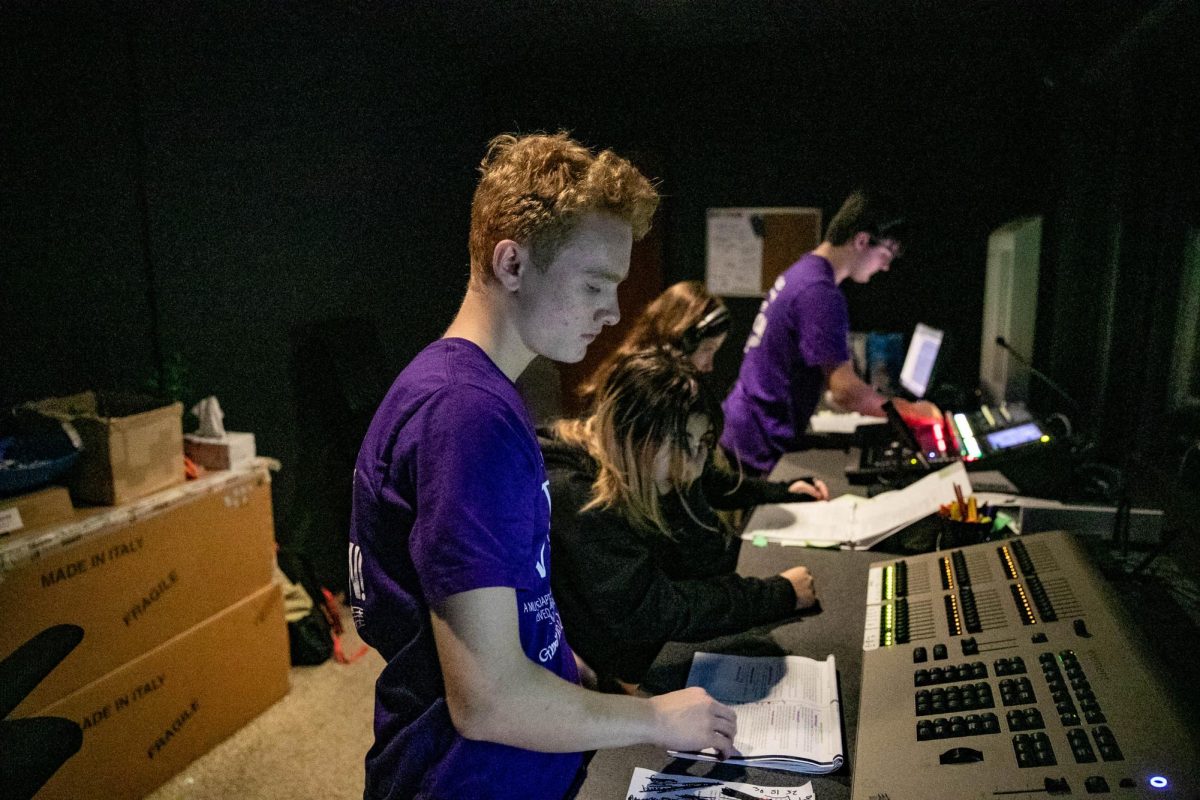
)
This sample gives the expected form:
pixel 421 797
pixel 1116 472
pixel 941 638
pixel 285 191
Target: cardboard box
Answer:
pixel 35 510
pixel 134 576
pixel 224 452
pixel 132 444
pixel 147 720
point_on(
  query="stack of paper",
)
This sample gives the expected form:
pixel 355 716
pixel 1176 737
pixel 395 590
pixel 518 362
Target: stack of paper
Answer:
pixel 857 522
pixel 647 785
pixel 788 712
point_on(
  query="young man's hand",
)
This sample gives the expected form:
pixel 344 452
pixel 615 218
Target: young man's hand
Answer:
pixel 691 719
pixel 921 412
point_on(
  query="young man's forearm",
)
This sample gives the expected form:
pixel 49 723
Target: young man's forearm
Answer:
pixel 853 394
pixel 496 694
pixel 536 710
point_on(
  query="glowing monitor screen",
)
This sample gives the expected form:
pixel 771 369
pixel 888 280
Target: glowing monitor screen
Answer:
pixel 919 360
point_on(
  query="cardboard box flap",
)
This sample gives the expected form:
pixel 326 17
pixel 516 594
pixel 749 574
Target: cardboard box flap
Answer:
pixel 109 408
pixel 132 443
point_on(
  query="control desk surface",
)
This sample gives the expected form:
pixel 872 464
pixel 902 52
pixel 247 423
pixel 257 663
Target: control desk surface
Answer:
pixel 1006 669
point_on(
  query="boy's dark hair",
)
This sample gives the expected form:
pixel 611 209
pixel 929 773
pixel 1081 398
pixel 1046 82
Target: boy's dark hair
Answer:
pixel 876 214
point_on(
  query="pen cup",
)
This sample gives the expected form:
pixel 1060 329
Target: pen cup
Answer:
pixel 956 533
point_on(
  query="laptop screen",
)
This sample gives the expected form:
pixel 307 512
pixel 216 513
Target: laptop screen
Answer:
pixel 920 359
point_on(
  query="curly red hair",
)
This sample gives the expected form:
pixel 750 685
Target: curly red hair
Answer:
pixel 534 188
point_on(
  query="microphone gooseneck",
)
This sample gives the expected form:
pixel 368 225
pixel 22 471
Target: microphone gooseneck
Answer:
pixel 1043 377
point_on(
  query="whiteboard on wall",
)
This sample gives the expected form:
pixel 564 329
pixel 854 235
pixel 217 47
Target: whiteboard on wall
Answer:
pixel 748 248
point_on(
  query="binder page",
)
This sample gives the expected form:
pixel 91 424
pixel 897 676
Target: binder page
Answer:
pixel 859 521
pixel 786 706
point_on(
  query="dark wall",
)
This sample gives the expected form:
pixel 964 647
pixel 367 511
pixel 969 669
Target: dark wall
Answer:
pixel 74 294
pixel 1126 208
pixel 201 184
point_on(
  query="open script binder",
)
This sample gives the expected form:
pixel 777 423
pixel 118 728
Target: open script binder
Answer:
pixel 857 522
pixel 788 712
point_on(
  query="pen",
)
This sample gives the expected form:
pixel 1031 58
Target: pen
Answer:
pixel 734 793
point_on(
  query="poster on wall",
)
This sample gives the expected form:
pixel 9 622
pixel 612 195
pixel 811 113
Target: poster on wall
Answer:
pixel 748 248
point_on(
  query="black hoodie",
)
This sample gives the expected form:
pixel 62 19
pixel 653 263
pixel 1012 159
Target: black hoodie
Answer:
pixel 624 593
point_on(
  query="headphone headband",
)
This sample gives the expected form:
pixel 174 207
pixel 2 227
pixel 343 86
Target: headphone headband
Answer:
pixel 714 323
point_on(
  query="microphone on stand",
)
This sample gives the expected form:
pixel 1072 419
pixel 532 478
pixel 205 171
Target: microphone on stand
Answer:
pixel 1003 343
pixel 1091 479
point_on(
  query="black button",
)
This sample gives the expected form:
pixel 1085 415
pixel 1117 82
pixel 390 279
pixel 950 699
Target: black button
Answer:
pixel 1057 786
pixel 1096 784
pixel 919 655
pixel 961 755
pixel 939 651
pixel 1081 629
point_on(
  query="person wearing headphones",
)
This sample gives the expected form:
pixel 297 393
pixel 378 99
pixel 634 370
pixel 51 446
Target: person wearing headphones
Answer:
pixel 685 316
pixel 694 324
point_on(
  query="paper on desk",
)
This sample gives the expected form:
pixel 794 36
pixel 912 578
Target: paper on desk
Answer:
pixel 647 785
pixel 830 422
pixel 859 522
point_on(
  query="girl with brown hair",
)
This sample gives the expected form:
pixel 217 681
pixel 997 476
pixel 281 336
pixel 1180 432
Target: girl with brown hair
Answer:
pixel 685 317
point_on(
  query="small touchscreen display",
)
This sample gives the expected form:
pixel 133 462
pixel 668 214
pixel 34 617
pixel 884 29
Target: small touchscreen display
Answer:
pixel 1011 437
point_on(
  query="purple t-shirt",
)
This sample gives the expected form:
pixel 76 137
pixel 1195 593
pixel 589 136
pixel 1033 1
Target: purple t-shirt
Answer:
pixel 450 495
pixel 801 329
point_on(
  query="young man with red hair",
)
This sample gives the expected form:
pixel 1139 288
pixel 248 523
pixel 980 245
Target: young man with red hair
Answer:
pixel 449 545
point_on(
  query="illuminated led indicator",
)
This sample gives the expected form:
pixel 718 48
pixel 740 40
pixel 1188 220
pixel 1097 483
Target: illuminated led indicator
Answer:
pixel 1158 782
pixel 972 447
pixel 1045 437
pixel 964 427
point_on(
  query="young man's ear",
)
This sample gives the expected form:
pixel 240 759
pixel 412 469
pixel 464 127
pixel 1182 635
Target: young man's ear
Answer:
pixel 862 241
pixel 509 259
